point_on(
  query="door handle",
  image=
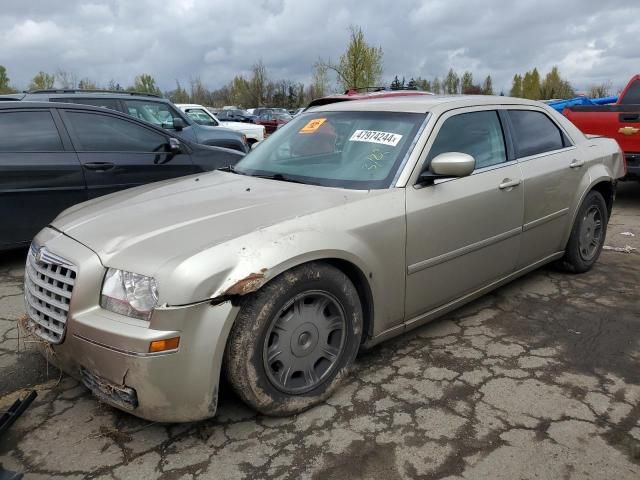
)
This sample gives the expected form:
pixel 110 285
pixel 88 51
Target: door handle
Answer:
pixel 575 163
pixel 507 183
pixel 99 166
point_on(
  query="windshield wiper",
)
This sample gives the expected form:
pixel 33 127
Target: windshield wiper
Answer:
pixel 231 168
pixel 282 178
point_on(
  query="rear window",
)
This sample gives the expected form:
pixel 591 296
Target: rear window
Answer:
pixel 632 95
pixel 535 133
pixel 29 132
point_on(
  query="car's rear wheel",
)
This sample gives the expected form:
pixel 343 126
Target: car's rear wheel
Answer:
pixel 588 234
pixel 294 339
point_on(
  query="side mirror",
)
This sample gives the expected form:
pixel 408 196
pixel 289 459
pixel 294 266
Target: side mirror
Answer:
pixel 448 165
pixel 174 145
pixel 178 124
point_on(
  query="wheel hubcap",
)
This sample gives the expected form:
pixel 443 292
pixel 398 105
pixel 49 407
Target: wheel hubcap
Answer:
pixel 304 342
pixel 590 233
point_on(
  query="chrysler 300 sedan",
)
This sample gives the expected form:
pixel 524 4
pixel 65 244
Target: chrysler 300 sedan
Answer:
pixel 350 225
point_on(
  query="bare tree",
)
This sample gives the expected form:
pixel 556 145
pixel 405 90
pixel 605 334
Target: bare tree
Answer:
pixel 602 90
pixel 66 79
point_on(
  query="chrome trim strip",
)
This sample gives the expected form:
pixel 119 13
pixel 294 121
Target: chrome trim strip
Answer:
pixel 545 219
pixel 546 154
pixel 445 257
pixel 125 352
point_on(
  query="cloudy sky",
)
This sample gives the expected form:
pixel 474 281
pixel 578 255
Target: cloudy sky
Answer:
pixel 590 40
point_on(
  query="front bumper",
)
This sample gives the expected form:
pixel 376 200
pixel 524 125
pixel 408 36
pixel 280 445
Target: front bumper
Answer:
pixel 109 352
pixel 633 164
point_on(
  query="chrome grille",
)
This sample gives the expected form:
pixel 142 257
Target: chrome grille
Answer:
pixel 48 286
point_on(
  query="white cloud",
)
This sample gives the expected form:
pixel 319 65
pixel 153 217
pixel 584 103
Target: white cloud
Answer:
pixel 216 39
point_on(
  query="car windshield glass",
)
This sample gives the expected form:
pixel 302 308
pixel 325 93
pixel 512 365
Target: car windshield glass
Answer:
pixel 358 150
pixel 200 117
pixel 160 114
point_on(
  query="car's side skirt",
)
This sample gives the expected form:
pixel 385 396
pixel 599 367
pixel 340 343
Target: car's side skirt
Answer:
pixel 454 304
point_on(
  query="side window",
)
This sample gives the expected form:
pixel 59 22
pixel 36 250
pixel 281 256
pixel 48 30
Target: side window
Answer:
pixel 104 133
pixel 632 95
pixel 109 103
pixel 535 133
pixel 478 134
pixel 29 132
pixel 158 113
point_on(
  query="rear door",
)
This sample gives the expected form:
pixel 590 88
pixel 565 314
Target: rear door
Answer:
pixel 551 172
pixel 118 153
pixel 40 174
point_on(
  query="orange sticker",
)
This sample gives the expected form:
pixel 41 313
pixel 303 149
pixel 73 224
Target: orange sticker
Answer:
pixel 313 125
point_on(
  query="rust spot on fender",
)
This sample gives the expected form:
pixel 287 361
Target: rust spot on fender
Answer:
pixel 248 284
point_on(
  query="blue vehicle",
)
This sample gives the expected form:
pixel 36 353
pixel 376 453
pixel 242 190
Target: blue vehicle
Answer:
pixel 560 105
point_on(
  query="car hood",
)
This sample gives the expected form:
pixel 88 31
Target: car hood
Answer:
pixel 181 217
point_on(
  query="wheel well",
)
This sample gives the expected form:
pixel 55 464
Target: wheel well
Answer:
pixel 607 190
pixel 359 280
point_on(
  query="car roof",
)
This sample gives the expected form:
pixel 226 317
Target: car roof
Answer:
pixel 423 103
pixel 351 95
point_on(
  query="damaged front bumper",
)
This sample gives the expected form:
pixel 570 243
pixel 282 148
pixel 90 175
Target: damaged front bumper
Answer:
pixel 109 353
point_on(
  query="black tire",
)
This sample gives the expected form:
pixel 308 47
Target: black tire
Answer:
pixel 577 258
pixel 246 361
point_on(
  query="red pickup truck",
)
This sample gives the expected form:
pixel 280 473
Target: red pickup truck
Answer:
pixel 620 121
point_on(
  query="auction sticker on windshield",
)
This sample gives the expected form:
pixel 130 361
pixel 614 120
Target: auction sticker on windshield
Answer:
pixel 373 136
pixel 313 125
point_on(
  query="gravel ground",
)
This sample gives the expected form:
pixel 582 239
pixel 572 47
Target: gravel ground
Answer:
pixel 539 379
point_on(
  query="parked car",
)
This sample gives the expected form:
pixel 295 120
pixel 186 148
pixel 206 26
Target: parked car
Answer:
pixel 259 111
pixel 202 116
pixel 151 108
pixel 272 120
pixel 236 115
pixel 54 155
pixel 357 222
pixel 620 121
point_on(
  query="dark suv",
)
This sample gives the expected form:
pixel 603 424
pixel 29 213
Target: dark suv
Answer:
pixel 54 155
pixel 151 108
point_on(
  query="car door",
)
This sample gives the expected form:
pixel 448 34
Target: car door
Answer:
pixel 463 233
pixel 551 172
pixel 118 153
pixel 40 174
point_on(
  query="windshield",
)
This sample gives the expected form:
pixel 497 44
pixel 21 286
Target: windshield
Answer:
pixel 358 150
pixel 201 117
pixel 158 113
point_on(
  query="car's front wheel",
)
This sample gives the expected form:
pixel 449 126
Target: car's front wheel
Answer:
pixel 588 234
pixel 294 339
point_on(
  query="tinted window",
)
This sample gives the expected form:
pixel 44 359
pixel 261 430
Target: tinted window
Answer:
pixel 478 134
pixel 28 132
pixel 158 113
pixel 104 133
pixel 632 96
pixel 96 102
pixel 535 133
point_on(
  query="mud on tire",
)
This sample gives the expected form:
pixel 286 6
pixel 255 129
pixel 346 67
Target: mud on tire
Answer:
pixel 288 322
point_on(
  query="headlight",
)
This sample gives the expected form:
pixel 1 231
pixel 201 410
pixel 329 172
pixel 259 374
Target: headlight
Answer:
pixel 129 294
